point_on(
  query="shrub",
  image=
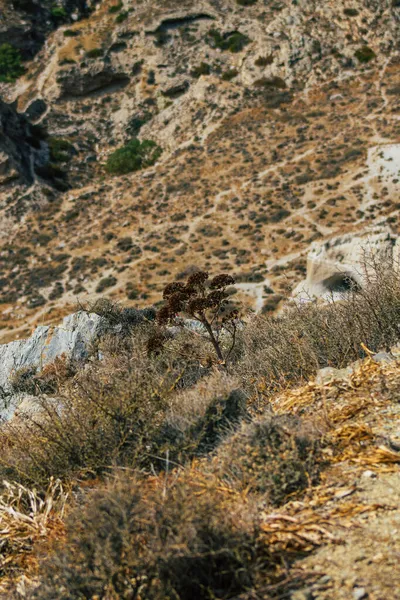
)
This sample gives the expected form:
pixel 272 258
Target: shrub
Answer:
pixel 289 349
pixel 94 53
pixel 264 61
pixel 29 380
pixel 229 75
pixel 133 540
pixel 122 16
pixel 114 8
pixel 234 42
pixel 246 2
pixel 105 283
pixel 58 12
pixel 351 12
pixel 365 54
pixel 70 33
pixel 274 456
pixel 118 315
pixel 202 69
pixel 10 63
pixel 198 418
pixel 61 150
pixel 274 83
pixel 110 415
pixel 135 155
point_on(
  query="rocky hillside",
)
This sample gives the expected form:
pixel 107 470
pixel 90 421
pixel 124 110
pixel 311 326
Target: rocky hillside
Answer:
pixel 276 125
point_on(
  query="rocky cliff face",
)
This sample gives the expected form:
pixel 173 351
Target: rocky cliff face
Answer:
pixel 22 149
pixel 279 128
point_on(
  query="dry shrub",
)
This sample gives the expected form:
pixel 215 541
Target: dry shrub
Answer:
pixel 116 315
pixel 122 410
pixel 199 417
pixel 275 456
pixel 28 380
pixel 289 349
pixel 137 540
pixel 106 415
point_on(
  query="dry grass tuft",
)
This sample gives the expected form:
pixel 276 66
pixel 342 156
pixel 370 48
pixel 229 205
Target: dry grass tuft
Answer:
pixel 26 517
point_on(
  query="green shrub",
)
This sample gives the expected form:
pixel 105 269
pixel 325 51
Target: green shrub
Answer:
pixel 135 155
pixel 105 283
pixel 350 12
pixel 122 16
pixel 58 12
pixel 10 63
pixel 94 53
pixel 264 61
pixel 365 54
pixel 61 150
pixel 273 83
pixel 246 2
pixel 229 75
pixel 70 33
pixel 114 8
pixel 234 42
pixel 202 69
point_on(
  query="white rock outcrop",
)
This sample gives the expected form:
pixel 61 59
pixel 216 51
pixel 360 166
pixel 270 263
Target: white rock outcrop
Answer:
pixel 72 338
pixel 337 264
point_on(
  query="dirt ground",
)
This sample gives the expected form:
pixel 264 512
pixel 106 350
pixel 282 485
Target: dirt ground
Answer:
pixel 359 499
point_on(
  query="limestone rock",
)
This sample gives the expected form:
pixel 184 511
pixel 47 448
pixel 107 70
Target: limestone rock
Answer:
pixel 342 262
pixel 72 339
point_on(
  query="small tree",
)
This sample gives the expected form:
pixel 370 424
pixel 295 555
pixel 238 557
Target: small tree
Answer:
pixel 204 301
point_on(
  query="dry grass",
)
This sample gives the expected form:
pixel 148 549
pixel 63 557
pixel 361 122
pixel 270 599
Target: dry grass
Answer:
pixel 26 518
pixel 282 351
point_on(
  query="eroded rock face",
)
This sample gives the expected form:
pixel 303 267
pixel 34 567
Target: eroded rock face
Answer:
pixel 21 149
pixel 71 339
pixel 334 267
pixel 80 82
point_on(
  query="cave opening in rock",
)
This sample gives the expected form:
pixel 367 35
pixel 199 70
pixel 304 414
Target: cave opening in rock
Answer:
pixel 341 283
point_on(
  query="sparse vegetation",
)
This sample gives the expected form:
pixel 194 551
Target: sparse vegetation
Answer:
pixel 10 63
pixel 135 155
pixel 233 42
pixel 95 53
pixel 153 408
pixel 61 150
pixel 205 302
pixel 365 54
